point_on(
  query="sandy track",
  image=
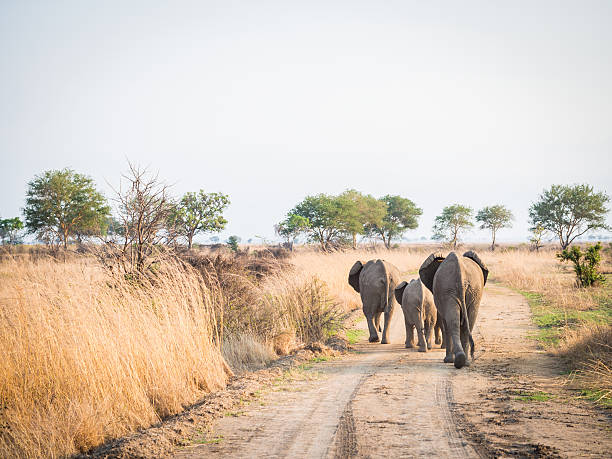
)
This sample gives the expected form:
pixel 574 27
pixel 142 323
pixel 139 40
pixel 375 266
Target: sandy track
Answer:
pixel 387 401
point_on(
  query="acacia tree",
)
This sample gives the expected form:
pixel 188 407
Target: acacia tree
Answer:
pixel 360 212
pixel 452 222
pixel 9 230
pixel 494 218
pixel 199 213
pixel 569 211
pixel 291 228
pixel 401 214
pixel 324 215
pixel 59 202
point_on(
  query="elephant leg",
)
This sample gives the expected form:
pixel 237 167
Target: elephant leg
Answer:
pixel 429 334
pixel 465 344
pixel 388 317
pixel 409 332
pixel 377 321
pixel 373 333
pixel 459 354
pixel 449 357
pixel 438 331
pixel 422 339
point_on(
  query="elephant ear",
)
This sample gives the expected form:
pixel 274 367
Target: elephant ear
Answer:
pixel 428 269
pixel 353 278
pixel 474 256
pixel 399 291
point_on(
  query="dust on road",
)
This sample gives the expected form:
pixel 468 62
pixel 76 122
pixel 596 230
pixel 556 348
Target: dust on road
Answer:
pixel 388 401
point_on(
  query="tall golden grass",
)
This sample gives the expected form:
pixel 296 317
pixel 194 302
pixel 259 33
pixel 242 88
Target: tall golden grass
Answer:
pixel 87 356
pixel 90 356
pixel 334 267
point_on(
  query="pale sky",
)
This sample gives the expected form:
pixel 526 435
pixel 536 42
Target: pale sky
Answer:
pixel 479 103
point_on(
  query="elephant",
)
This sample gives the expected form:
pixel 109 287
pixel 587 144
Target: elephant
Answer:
pixel 419 311
pixel 457 283
pixel 375 282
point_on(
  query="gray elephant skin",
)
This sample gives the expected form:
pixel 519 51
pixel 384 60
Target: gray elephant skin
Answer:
pixel 457 283
pixel 375 282
pixel 419 312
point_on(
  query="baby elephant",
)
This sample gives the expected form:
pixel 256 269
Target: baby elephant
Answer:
pixel 419 311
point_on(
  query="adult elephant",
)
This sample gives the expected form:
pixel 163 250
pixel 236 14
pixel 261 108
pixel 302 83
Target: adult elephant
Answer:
pixel 457 283
pixel 375 282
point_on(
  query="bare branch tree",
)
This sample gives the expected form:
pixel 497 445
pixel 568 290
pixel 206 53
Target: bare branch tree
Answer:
pixel 143 210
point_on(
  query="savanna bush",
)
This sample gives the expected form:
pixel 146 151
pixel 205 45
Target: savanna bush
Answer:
pixel 585 263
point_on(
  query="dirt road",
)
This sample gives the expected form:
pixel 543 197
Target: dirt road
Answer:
pixel 387 401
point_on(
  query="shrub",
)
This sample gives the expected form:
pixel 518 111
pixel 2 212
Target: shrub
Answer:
pixel 585 264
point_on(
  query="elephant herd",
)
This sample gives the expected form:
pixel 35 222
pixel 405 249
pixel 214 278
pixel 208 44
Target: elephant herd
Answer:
pixel 443 302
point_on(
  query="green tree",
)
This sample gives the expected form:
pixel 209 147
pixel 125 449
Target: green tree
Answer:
pixel 569 211
pixel 60 202
pixel 359 213
pixel 233 242
pixel 199 213
pixel 585 264
pixel 324 212
pixel 292 227
pixel 9 230
pixel 537 233
pixel 401 214
pixel 452 222
pixel 494 218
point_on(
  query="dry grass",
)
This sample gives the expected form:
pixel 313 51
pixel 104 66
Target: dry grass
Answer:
pixel 245 352
pixel 576 322
pixel 542 273
pixel 88 357
pixel 589 351
pixel 334 267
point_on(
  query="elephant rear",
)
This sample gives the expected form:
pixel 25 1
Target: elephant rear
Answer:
pixel 457 284
pixel 375 282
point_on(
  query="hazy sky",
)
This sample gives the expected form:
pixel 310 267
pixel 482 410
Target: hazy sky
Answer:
pixel 478 102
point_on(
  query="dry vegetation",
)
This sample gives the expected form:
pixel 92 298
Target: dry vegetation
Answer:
pixel 575 323
pixel 90 355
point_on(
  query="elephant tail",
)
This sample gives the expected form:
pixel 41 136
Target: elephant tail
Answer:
pixel 386 297
pixel 466 323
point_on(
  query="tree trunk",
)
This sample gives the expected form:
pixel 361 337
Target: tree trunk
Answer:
pixel 189 240
pixel 493 243
pixel 354 241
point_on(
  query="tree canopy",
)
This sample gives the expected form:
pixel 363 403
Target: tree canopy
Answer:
pixel 569 211
pixel 199 213
pixel 453 220
pixel 360 212
pixel 401 214
pixel 9 230
pixel 494 218
pixel 324 213
pixel 62 203
pixel 292 227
